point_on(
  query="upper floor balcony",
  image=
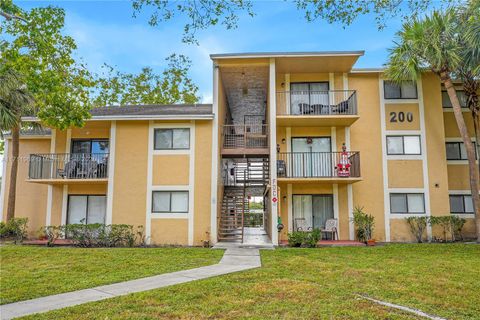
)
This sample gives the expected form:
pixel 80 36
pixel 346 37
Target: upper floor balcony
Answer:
pixel 68 168
pixel 333 167
pixel 317 108
pixel 245 139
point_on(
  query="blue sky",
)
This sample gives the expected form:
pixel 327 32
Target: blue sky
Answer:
pixel 105 31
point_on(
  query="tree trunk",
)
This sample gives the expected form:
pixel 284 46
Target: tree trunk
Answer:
pixel 472 166
pixel 470 87
pixel 12 190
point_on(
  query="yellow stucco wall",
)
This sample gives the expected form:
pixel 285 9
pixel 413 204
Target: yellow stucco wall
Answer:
pixel 171 169
pixel 203 174
pixel 31 198
pixel 458 177
pixel 435 139
pixel 169 232
pixel 366 137
pixel 405 173
pixel 400 231
pixel 130 190
pixel 405 124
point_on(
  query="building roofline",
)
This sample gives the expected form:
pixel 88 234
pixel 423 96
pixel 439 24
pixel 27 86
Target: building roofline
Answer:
pixel 286 54
pixel 367 70
pixel 141 117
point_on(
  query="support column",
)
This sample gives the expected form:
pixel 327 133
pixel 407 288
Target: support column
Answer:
pixel 111 172
pixel 272 110
pixel 48 214
pixel 3 191
pixel 214 178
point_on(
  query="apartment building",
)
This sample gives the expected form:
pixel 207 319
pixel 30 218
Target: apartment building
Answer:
pixel 305 134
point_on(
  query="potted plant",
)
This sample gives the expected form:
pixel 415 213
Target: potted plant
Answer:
pixel 364 224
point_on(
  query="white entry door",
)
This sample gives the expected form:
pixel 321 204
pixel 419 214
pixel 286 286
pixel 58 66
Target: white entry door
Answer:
pixel 311 157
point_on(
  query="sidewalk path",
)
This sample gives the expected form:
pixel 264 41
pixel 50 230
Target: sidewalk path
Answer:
pixel 234 259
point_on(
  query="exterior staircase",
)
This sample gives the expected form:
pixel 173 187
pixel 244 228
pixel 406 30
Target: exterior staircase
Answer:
pixel 234 207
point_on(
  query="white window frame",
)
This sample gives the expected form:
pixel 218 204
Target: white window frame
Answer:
pixel 403 156
pixel 396 215
pixel 171 215
pixel 392 100
pixel 173 150
pixel 460 193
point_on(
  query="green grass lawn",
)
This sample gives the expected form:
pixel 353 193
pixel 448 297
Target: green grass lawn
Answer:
pixel 30 272
pixel 440 279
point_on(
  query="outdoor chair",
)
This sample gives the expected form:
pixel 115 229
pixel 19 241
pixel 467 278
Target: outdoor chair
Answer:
pixel 281 168
pixel 331 227
pixel 301 225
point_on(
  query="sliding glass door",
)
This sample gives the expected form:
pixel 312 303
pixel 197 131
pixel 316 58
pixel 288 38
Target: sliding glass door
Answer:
pixel 305 96
pixel 312 211
pixel 311 157
pixel 86 209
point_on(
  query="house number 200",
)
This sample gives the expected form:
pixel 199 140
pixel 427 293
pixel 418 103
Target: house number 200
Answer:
pixel 401 116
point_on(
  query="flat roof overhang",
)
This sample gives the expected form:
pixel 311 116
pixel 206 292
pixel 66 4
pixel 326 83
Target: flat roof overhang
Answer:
pixel 316 121
pixel 295 62
pixel 68 181
pixel 319 180
pixel 139 117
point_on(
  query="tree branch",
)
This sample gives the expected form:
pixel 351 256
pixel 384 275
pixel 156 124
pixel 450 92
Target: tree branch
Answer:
pixel 9 16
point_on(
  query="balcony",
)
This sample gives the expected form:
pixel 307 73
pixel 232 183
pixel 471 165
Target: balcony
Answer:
pixel 248 140
pixel 317 167
pixel 317 108
pixel 68 168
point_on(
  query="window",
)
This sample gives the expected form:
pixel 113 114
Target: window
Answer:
pixel 457 151
pixel 90 146
pixel 166 139
pixel 86 209
pixel 403 145
pixel 407 203
pixel 406 90
pixel 304 96
pixel 461 96
pixel 170 201
pixel 90 149
pixel 312 211
pixel 461 203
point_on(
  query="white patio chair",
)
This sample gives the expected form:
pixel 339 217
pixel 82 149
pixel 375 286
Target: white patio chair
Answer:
pixel 331 226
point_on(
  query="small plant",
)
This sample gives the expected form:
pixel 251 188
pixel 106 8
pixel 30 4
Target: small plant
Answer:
pixel 296 238
pixel 15 228
pixel 364 224
pixel 52 234
pixel 457 226
pixel 305 239
pixel 452 226
pixel 418 225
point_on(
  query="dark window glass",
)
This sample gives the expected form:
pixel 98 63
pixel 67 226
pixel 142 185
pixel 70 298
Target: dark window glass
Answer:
pixel 405 90
pixel 460 203
pixel 166 139
pixel 407 203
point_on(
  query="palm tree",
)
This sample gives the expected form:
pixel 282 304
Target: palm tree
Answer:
pixel 14 100
pixel 434 44
pixel 469 69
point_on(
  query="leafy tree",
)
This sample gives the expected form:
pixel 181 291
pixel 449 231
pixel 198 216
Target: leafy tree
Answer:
pixel 435 44
pixel 202 14
pixel 173 86
pixel 38 59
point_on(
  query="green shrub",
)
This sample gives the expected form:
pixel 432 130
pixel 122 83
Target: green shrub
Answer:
pixel 296 238
pixel 452 226
pixel 306 239
pixel 52 234
pixel 15 228
pixel 101 235
pixel 364 224
pixel 418 225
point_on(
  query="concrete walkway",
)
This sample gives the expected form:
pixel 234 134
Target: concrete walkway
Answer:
pixel 234 259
